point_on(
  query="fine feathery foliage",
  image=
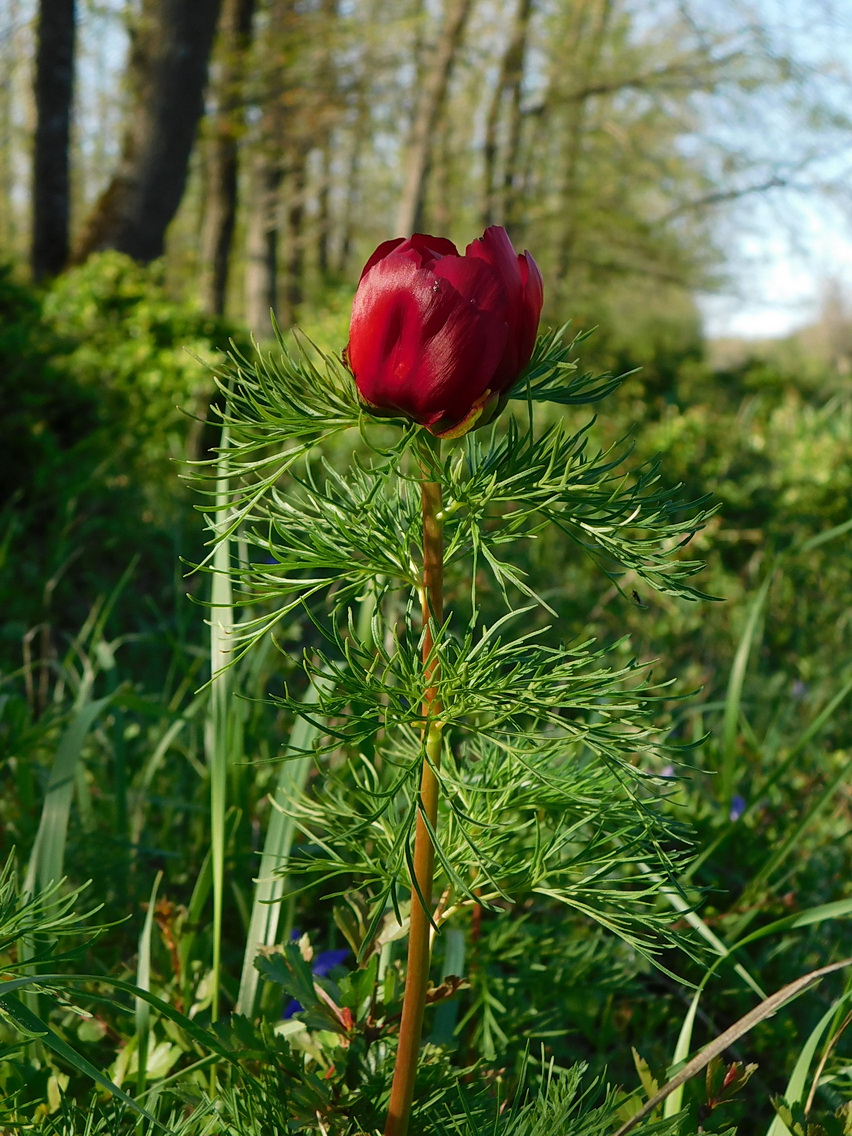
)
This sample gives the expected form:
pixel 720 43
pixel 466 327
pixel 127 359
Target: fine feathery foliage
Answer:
pixel 564 1098
pixel 548 754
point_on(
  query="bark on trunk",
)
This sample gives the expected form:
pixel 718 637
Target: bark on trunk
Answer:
pixel 440 190
pixel 324 214
pixel 509 82
pixel 590 40
pixel 511 202
pixel 54 92
pixel 356 146
pixel 434 88
pixel 262 245
pixel 330 113
pixel 352 198
pixel 224 154
pixel 167 70
pixel 294 267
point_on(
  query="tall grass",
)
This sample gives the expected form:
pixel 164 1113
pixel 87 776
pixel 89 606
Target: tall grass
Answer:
pixel 172 786
pixel 222 729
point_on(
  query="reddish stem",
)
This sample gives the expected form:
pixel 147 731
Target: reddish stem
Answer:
pixel 417 972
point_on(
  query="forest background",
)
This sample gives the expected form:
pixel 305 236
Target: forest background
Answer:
pixel 171 170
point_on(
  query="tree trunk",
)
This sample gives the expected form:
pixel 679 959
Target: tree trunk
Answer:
pixel 441 213
pixel 324 214
pixel 294 216
pixel 512 177
pixel 167 71
pixel 262 244
pixel 223 169
pixel 329 17
pixel 590 43
pixel 509 81
pixel 433 96
pixel 10 59
pixel 54 92
pixel 356 145
pixel 352 197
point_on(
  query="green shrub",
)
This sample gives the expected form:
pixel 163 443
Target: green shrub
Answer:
pixel 99 378
pixel 46 413
pixel 147 356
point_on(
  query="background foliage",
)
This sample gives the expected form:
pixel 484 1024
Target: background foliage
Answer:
pixel 768 721
pixel 627 144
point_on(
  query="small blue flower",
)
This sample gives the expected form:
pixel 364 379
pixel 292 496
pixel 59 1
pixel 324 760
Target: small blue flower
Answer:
pixel 738 807
pixel 326 961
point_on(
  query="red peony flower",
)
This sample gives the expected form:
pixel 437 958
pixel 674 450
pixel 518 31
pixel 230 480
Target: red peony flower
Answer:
pixel 441 337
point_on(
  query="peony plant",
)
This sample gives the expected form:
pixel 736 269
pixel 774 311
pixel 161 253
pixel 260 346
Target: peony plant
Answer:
pixel 470 751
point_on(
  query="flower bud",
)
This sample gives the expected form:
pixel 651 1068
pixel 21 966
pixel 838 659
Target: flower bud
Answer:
pixel 441 337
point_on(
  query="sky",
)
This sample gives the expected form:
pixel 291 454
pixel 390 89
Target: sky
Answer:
pixel 787 249
pixel 778 275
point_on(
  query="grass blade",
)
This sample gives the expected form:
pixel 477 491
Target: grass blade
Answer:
pixel 733 700
pixel 270 888
pixel 47 859
pixel 806 918
pixel 198 900
pixel 786 848
pixel 813 728
pixel 695 921
pixel 715 1048
pixel 221 731
pixel 446 1014
pixel 794 1093
pixel 674 1102
pixel 143 981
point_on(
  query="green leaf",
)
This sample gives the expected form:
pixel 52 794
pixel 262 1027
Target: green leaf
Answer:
pixel 650 1083
pixel 286 967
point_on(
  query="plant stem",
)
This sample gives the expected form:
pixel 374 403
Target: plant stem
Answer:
pixel 417 972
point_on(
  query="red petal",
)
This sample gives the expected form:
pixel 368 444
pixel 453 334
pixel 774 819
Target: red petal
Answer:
pixel 421 249
pixel 533 300
pixel 418 347
pixel 522 282
pixel 431 248
pixel 496 249
pixel 476 281
pixel 533 283
pixel 384 249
